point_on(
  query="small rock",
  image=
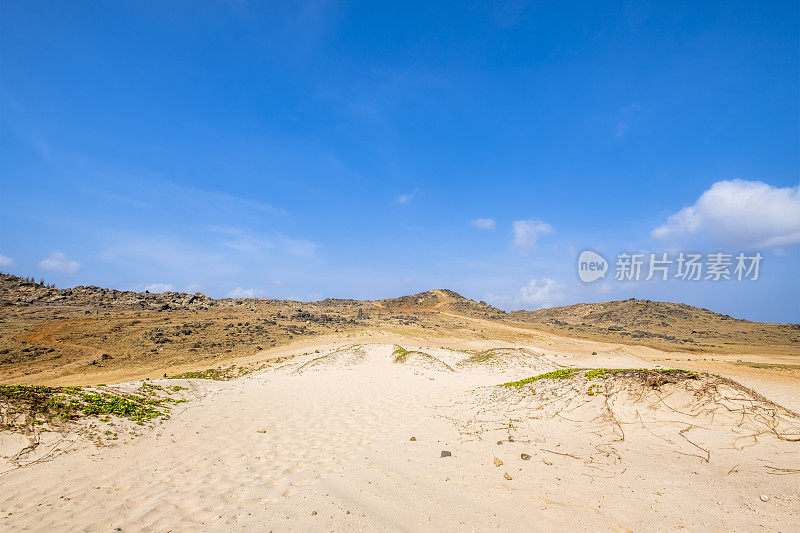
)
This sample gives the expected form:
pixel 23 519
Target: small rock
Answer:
pixel 525 456
pixel 313 513
pixel 507 476
pixel 764 498
pixel 445 453
pixel 261 431
pixel 499 442
pixel 497 462
pixel 413 438
pixel 510 438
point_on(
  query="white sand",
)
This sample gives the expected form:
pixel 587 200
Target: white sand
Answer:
pixel 325 445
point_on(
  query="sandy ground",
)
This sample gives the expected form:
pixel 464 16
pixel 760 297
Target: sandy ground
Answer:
pixel 349 439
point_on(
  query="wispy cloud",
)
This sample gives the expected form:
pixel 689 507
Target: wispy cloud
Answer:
pixel 738 212
pixel 6 261
pixel 59 262
pixel 407 197
pixel 152 192
pixel 178 256
pixel 251 243
pixel 527 232
pixel 626 117
pixel 482 223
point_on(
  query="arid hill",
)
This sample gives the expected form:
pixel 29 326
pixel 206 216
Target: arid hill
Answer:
pixel 442 300
pixel 646 321
pixel 89 333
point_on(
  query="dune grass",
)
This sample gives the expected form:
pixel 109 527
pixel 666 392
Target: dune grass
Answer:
pixel 597 373
pixel 400 354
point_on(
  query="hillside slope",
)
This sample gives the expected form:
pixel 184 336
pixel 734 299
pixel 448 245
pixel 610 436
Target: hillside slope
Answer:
pixel 89 333
pixel 646 320
pixel 442 300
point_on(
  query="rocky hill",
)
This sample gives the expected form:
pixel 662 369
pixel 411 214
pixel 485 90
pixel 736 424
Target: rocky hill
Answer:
pixel 660 321
pixel 442 300
pixel 17 291
pixel 72 335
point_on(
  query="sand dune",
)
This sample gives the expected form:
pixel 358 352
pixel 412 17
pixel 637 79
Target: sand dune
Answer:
pixel 324 442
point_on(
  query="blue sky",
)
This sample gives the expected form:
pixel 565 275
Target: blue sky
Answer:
pixel 326 149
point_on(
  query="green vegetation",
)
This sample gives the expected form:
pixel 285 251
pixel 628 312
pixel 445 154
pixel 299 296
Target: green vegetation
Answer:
pixel 136 408
pixel 229 373
pixel 480 357
pixel 36 405
pixel 601 372
pixel 562 373
pixel 491 356
pixel 591 374
pixel 37 401
pixel 345 348
pixel 400 354
pixel 215 374
pixel 607 372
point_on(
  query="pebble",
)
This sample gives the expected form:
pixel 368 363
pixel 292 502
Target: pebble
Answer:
pixel 413 438
pixel 507 476
pixel 445 453
pixel 525 456
pixel 764 498
pixel 497 462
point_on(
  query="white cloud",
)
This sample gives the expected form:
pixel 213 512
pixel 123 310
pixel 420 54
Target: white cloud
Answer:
pixel 542 292
pixel 239 292
pixel 527 232
pixel 5 261
pixel 59 262
pixel 482 223
pixel 406 198
pixel 739 212
pixel 248 244
pixel 160 287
